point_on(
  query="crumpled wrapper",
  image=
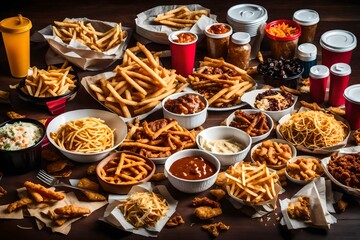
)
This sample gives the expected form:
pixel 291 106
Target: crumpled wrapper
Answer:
pixel 80 54
pixel 114 216
pixel 39 211
pixel 319 200
pixel 158 33
pixel 256 211
pixel 324 150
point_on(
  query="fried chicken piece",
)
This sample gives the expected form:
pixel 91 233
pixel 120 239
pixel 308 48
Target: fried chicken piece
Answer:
pixel 215 228
pixel 35 195
pixel 18 204
pixel 205 201
pixel 2 191
pixel 299 209
pixel 93 196
pixel 175 221
pixel 91 170
pixel 158 177
pixel 206 212
pixel 88 184
pixel 14 115
pixel 336 110
pixel 56 166
pixel 220 179
pixel 43 191
pixel 342 205
pixel 218 193
pixel 72 211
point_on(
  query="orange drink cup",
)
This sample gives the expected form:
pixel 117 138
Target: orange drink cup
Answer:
pixel 16 35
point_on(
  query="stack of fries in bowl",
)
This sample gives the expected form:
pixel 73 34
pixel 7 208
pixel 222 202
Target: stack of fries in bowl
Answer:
pixel 86 135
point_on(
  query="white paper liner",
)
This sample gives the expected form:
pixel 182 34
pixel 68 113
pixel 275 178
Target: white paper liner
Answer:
pixel 320 216
pixel 78 53
pixel 146 28
pixel 114 216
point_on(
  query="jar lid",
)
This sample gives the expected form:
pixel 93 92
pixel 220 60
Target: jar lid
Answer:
pixel 16 24
pixel 306 17
pixel 352 93
pixel 319 71
pixel 340 69
pixel 338 41
pixel 218 35
pixel 247 14
pixel 240 38
pixel 307 52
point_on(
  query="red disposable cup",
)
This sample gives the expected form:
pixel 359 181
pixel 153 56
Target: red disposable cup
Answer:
pixel 319 77
pixel 182 54
pixel 339 80
pixel 337 47
pixel 352 105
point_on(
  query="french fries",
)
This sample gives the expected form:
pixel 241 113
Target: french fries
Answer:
pixel 180 17
pixel 221 83
pixel 86 34
pixel 125 169
pixel 139 84
pixel 254 124
pixel 254 184
pixel 158 139
pixel 50 82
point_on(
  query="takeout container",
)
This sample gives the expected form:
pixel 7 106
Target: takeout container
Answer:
pixel 308 20
pixel 14 162
pixel 191 186
pixel 225 132
pixel 217 44
pixel 352 105
pixel 121 188
pixel 111 119
pixel 254 139
pixel 188 121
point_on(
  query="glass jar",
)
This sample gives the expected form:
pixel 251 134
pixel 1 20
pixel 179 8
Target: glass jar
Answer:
pixel 217 39
pixel 307 54
pixel 307 19
pixel 240 49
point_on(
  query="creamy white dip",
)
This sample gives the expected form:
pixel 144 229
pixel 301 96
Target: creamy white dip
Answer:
pixel 19 135
pixel 221 145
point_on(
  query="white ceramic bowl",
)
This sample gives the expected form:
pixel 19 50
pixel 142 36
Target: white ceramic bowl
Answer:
pixel 255 139
pixel 249 98
pixel 299 181
pixel 111 119
pixel 276 167
pixel 192 186
pixel 225 132
pixel 188 121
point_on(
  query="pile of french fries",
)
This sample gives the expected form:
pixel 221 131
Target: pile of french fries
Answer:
pixel 139 85
pixel 86 33
pixel 220 82
pixel 180 17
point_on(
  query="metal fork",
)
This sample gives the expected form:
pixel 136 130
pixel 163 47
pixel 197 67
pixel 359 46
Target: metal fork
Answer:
pixel 54 182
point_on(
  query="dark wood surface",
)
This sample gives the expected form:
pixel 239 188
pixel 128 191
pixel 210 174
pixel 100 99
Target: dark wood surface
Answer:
pixel 333 15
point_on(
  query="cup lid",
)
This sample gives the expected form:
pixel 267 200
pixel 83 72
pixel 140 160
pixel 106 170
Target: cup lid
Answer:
pixel 319 71
pixel 240 38
pixel 340 69
pixel 16 24
pixel 218 35
pixel 307 52
pixel 352 93
pixel 338 41
pixel 306 17
pixel 247 13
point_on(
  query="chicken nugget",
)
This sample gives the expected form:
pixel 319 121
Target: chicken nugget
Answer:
pixel 72 211
pixel 56 166
pixel 88 184
pixel 206 212
pixel 218 193
pixel 204 201
pixel 18 204
pixel 93 196
pixel 175 221
pixel 220 179
pixel 45 192
pixel 215 228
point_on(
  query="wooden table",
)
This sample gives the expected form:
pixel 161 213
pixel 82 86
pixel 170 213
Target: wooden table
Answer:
pixel 333 15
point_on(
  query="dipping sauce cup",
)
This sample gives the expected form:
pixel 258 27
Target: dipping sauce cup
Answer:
pixel 308 20
pixel 337 46
pixel 319 77
pixel 284 36
pixel 16 36
pixel 352 105
pixel 183 49
pixel 339 80
pixel 217 39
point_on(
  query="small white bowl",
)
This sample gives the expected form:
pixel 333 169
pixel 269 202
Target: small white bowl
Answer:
pixel 298 181
pixel 188 121
pixel 255 139
pixel 249 98
pixel 191 186
pixel 111 119
pixel 225 132
pixel 276 167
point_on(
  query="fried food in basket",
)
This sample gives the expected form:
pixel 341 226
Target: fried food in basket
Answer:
pixel 346 169
pixel 220 82
pixel 299 209
pixel 215 228
pixel 254 124
pixel 158 139
pixel 180 17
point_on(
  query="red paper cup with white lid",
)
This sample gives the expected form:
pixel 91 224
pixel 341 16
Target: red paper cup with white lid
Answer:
pixel 337 46
pixel 319 76
pixel 339 80
pixel 352 105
